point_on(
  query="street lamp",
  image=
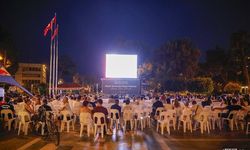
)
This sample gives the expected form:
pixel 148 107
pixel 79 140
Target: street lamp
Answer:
pixel 3 58
pixel 4 61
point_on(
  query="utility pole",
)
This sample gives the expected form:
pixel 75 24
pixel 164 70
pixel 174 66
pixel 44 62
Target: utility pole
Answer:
pixel 4 58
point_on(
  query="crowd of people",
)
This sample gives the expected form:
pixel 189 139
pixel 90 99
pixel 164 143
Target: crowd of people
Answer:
pixel 76 104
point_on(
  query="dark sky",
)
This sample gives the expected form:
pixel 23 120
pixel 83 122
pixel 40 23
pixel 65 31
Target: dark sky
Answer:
pixel 90 28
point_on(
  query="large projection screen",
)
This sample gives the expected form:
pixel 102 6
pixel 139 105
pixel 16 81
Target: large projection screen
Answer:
pixel 121 66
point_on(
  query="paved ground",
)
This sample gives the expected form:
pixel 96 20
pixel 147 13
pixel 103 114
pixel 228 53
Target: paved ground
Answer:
pixel 213 141
pixel 147 140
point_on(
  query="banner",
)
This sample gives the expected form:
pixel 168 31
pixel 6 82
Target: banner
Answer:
pixel 121 86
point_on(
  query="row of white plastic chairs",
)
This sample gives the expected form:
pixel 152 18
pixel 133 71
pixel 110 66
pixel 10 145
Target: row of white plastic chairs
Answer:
pixel 23 120
pixel 207 120
pixel 135 119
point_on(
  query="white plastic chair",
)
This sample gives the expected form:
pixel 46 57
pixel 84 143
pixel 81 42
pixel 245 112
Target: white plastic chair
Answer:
pixel 216 104
pixel 85 120
pixel 171 114
pixel 17 108
pixel 185 118
pixel 208 111
pixel 162 122
pixel 168 107
pixel 247 131
pixel 147 112
pixel 98 117
pixel 24 120
pixel 114 118
pixel 8 117
pixel 231 118
pixel 203 120
pixel 76 107
pixel 166 117
pixel 158 111
pixel 21 106
pixel 240 119
pixel 67 120
pixel 139 118
pixel 127 116
pixel 76 110
pixel 216 120
pixel 70 103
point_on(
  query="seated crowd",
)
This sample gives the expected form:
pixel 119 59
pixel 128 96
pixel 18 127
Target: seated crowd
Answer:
pixel 140 108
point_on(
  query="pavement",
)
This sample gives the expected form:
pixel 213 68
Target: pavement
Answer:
pixel 149 139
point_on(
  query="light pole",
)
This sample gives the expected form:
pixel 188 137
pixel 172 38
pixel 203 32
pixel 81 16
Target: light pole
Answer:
pixel 3 58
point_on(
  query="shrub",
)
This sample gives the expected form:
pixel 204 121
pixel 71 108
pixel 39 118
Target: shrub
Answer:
pixel 175 85
pixel 197 85
pixel 232 87
pixel 200 85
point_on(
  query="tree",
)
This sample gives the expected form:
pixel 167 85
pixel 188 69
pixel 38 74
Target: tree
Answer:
pixel 232 87
pixel 91 80
pixel 215 67
pixel 200 85
pixel 77 78
pixel 8 51
pixel 66 68
pixel 42 88
pixel 176 59
pixel 145 73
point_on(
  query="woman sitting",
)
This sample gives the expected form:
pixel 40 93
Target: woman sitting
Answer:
pixel 28 107
pixel 66 107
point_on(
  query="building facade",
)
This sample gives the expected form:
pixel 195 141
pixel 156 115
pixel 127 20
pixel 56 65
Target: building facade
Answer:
pixel 29 74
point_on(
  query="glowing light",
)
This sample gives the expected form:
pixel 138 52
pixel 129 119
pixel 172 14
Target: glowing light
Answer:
pixel 121 66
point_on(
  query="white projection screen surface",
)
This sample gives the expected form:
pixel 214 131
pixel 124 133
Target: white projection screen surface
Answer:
pixel 121 66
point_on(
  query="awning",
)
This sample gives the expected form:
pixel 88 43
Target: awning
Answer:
pixel 5 77
pixel 69 86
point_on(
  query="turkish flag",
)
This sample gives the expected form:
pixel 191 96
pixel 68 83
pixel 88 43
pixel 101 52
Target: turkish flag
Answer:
pixel 55 33
pixel 53 21
pixel 48 27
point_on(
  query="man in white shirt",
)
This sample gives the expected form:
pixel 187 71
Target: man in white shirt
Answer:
pixel 56 104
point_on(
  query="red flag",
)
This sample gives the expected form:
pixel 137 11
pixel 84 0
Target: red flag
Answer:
pixel 53 21
pixel 49 26
pixel 55 33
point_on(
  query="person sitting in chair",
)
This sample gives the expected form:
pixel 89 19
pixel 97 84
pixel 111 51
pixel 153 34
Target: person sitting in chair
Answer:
pixel 229 108
pixel 42 109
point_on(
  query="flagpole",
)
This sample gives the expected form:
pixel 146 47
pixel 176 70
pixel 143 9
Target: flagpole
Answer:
pixel 57 56
pixel 54 61
pixel 53 70
pixel 50 65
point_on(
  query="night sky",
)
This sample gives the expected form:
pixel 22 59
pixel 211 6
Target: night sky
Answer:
pixel 89 29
